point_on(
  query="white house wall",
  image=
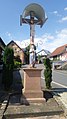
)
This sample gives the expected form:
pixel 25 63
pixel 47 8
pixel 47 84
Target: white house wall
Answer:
pixel 64 57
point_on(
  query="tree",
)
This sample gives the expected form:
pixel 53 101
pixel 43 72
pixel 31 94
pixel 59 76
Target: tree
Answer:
pixel 8 60
pixel 48 73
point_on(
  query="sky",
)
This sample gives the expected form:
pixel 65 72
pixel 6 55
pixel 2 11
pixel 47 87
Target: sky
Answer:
pixel 53 34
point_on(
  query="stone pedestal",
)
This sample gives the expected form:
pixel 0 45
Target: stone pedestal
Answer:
pixel 32 85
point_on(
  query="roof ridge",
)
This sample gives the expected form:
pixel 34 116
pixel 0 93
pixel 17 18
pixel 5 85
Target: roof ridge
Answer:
pixel 58 50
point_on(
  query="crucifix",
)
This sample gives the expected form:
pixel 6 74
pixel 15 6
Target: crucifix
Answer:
pixel 35 19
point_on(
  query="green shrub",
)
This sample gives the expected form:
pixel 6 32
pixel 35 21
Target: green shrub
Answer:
pixel 48 73
pixel 17 61
pixel 8 60
pixel 17 64
pixel 17 58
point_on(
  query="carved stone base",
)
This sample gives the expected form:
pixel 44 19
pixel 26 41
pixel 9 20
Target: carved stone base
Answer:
pixel 32 85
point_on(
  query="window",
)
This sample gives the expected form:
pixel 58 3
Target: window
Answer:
pixel 66 48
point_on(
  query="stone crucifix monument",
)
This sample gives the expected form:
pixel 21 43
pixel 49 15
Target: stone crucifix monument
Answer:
pixel 33 15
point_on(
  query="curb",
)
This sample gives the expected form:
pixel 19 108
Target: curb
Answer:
pixel 55 95
pixel 4 106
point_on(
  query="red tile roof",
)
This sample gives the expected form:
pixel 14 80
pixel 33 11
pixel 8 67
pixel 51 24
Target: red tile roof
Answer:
pixel 58 50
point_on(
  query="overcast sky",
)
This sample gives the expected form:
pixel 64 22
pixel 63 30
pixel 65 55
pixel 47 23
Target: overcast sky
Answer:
pixel 53 33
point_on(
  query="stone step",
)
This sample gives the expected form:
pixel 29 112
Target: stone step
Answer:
pixel 32 110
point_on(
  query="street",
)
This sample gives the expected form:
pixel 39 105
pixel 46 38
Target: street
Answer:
pixel 59 78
